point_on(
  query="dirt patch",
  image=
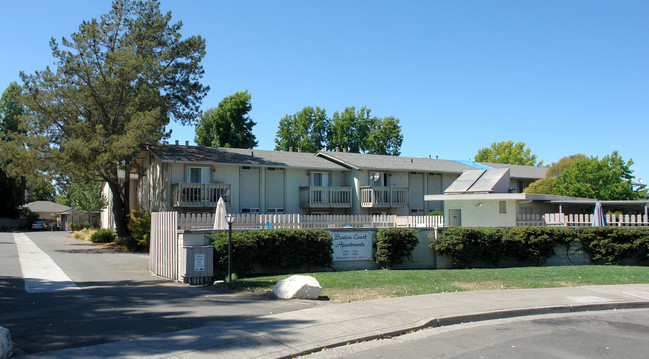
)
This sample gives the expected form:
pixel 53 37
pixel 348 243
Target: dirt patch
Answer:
pixel 354 295
pixel 482 285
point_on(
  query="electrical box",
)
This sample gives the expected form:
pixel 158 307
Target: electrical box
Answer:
pixel 197 264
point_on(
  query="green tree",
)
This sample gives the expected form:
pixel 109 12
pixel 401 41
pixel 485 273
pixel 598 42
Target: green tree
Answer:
pixel 43 191
pixel 12 188
pixel 117 84
pixel 228 125
pixel 542 185
pixel 87 197
pixel 507 152
pixel 350 130
pixel 564 163
pixel 306 130
pixel 606 179
pixel 385 137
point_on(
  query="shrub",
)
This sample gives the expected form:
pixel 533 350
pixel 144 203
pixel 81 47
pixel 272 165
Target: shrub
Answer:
pixel 466 245
pixel 272 250
pixel 78 226
pixel 103 235
pixel 140 227
pixel 611 245
pixel 436 212
pixel 393 245
pixel 534 244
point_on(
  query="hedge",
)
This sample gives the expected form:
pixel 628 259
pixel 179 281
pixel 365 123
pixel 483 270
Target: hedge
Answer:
pixel 393 245
pixel 272 250
pixel 468 246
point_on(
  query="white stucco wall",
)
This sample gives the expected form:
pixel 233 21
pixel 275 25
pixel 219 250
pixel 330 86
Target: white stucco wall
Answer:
pixel 483 213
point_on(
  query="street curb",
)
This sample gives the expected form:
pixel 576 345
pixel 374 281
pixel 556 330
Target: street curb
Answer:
pixel 480 317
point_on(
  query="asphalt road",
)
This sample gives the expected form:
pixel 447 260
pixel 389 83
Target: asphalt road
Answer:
pixel 118 298
pixel 608 334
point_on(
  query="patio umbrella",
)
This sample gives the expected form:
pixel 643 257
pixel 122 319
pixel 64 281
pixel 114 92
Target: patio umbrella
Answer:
pixel 219 216
pixel 598 216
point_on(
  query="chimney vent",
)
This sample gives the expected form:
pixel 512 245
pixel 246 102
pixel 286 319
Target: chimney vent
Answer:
pixel 299 149
pixel 436 157
pixel 186 143
pixel 290 149
pixel 177 142
pixel 337 149
pixel 429 157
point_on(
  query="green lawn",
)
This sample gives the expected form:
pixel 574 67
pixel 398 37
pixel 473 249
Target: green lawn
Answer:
pixel 364 285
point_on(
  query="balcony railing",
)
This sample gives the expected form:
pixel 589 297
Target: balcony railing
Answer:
pixel 325 197
pixel 199 194
pixel 384 197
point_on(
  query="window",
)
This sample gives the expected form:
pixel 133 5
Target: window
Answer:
pixel 502 207
pixel 320 179
pixel 198 174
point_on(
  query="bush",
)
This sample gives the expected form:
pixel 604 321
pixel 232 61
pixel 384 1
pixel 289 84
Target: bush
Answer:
pixel 605 245
pixel 393 245
pixel 78 226
pixel 272 250
pixel 611 245
pixel 140 227
pixel 533 244
pixel 466 245
pixel 436 212
pixel 103 235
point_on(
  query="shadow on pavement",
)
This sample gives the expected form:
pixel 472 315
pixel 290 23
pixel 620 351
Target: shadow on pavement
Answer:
pixel 103 312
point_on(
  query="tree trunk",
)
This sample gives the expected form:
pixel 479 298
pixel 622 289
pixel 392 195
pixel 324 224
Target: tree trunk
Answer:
pixel 120 192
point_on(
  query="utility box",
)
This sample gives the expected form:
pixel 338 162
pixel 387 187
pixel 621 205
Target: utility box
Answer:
pixel 197 264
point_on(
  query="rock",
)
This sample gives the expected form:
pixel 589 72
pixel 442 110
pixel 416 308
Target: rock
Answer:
pixel 298 287
pixel 6 347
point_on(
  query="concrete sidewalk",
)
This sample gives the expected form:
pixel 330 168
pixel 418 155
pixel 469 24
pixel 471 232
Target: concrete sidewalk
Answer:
pixel 306 330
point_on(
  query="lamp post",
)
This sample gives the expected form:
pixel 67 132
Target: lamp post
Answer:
pixel 229 218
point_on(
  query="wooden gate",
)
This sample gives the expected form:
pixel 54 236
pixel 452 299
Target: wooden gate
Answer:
pixel 163 255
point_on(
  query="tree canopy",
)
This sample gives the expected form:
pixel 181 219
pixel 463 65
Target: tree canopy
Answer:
pixel 507 152
pixel 228 125
pixel 116 84
pixel 12 188
pixel 351 130
pixel 609 178
pixel 306 130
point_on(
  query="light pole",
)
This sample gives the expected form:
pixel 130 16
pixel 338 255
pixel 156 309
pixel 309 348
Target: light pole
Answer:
pixel 229 218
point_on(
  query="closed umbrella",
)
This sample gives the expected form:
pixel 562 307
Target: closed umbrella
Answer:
pixel 219 216
pixel 598 216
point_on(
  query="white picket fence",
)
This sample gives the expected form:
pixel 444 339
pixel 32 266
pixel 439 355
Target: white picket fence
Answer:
pixel 581 220
pixel 196 221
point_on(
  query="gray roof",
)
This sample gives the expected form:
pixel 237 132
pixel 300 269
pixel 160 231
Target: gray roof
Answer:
pixel 240 156
pixel 394 163
pixel 518 171
pixel 46 206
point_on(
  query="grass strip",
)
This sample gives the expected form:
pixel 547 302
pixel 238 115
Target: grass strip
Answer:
pixel 373 284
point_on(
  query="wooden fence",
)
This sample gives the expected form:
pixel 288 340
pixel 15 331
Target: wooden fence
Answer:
pixel 581 220
pixel 196 221
pixel 163 253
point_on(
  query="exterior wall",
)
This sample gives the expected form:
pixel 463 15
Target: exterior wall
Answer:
pixel 482 213
pixel 294 178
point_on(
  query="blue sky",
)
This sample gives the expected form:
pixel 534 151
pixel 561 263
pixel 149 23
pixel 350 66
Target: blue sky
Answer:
pixel 564 77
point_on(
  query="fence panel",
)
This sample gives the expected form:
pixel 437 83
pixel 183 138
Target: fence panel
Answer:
pixel 163 256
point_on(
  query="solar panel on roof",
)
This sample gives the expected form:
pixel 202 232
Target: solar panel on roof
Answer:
pixel 464 182
pixel 488 181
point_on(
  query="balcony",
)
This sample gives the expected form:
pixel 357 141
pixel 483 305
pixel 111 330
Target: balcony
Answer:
pixel 325 197
pixel 384 197
pixel 198 194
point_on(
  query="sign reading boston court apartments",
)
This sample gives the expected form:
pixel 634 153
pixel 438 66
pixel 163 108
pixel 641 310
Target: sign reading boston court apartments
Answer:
pixel 352 246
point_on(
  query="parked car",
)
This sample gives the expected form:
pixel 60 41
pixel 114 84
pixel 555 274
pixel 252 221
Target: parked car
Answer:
pixel 38 225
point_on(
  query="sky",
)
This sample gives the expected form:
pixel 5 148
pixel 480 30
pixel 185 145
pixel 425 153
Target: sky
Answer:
pixel 564 77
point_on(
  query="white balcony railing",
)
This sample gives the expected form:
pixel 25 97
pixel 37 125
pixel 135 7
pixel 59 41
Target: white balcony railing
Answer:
pixel 199 194
pixel 325 197
pixel 384 197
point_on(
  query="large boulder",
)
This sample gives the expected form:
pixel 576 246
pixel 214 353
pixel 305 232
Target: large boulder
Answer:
pixel 6 347
pixel 298 287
